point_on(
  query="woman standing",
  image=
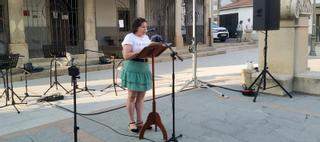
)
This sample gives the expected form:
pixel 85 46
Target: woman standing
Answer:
pixel 136 74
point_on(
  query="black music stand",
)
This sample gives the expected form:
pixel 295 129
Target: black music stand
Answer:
pixel 4 82
pixel 54 52
pixel 7 63
pixel 25 72
pixel 114 83
pixel 85 88
pixel 114 79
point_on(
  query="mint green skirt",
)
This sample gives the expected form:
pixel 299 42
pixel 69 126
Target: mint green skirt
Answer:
pixel 136 76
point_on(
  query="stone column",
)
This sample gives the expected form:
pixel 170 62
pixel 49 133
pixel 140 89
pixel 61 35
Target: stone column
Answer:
pixel 301 48
pixel 90 41
pixel 207 15
pixel 178 23
pixel 17 31
pixel 141 10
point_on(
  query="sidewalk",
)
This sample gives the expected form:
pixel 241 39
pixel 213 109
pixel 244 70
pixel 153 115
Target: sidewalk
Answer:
pixel 201 115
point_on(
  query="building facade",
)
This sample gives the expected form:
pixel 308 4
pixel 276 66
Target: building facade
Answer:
pixel 27 26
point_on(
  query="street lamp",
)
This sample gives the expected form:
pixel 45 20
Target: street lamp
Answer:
pixel 314 36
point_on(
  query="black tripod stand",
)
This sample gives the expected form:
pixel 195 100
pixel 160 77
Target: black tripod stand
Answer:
pixel 74 73
pixel 173 55
pixel 25 72
pixel 7 63
pixel 114 82
pixel 54 52
pixel 262 78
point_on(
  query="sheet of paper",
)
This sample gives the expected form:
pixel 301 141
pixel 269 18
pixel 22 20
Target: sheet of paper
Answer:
pixel 121 23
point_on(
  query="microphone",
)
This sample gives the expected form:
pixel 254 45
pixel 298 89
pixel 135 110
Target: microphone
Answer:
pixel 156 38
pixel 151 30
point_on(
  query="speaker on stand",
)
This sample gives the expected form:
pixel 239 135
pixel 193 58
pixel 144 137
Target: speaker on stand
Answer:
pixel 266 16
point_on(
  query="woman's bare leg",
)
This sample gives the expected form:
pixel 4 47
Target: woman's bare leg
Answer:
pixel 140 105
pixel 131 105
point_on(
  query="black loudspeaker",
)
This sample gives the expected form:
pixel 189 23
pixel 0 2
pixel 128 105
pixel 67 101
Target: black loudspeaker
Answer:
pixel 266 14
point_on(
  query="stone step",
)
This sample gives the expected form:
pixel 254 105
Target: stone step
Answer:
pixel 80 59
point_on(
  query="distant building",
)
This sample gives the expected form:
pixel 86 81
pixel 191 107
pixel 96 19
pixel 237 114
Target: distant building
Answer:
pixel 230 14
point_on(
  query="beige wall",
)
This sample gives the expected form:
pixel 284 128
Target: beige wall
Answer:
pixel 106 13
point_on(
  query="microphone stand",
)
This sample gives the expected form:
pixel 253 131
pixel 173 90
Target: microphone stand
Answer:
pixel 74 72
pixel 174 55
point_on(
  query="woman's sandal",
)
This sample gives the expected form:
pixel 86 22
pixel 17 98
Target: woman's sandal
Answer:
pixel 140 125
pixel 134 130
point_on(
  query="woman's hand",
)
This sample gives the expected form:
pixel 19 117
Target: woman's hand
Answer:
pixel 127 52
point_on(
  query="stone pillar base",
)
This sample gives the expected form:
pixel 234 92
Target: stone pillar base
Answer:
pixel 92 45
pixel 285 81
pixel 307 82
pixel 21 49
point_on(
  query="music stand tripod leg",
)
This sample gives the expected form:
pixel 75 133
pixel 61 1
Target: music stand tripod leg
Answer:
pixel 3 93
pixel 90 93
pixel 109 86
pixel 115 89
pixel 120 87
pixel 15 94
pixel 51 86
pixel 4 83
pixel 62 87
pixel 26 88
pixel 4 86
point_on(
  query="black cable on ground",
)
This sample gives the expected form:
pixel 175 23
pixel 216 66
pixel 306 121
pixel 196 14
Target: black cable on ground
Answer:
pixel 105 125
pixel 246 91
pixel 226 88
pixel 109 110
pixel 84 115
pixel 148 100
pixel 100 123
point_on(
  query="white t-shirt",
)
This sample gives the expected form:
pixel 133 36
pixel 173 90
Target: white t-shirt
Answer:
pixel 248 26
pixel 137 43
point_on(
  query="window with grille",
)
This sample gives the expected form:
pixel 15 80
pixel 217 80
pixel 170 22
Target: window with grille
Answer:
pixel 124 20
pixel 1 19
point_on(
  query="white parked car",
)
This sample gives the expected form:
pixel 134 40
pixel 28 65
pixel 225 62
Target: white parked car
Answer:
pixel 219 33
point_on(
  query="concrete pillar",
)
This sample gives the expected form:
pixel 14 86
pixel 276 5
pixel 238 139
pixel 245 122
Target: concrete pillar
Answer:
pixel 207 15
pixel 289 57
pixel 178 23
pixel 17 31
pixel 141 8
pixel 90 41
